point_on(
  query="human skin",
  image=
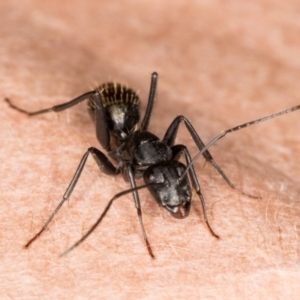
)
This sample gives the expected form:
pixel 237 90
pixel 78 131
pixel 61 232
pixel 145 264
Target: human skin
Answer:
pixel 219 65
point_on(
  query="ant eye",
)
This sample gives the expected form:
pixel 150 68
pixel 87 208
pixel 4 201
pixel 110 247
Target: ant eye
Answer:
pixel 180 171
pixel 153 175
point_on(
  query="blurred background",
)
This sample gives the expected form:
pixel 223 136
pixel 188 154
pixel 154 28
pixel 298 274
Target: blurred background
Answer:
pixel 220 63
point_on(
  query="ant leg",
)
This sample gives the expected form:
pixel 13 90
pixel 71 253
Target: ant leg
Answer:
pixel 56 108
pixel 177 152
pixel 171 134
pixel 102 131
pixel 109 204
pixel 145 122
pixel 138 206
pixel 105 166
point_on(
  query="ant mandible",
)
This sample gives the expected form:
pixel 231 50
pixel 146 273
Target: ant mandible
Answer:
pixel 139 153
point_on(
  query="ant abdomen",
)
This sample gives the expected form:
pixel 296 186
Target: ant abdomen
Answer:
pixel 121 108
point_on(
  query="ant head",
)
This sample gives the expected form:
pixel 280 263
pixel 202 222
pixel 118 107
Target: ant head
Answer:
pixel 173 192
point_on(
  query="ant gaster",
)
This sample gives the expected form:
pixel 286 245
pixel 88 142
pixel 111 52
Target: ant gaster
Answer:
pixel 139 153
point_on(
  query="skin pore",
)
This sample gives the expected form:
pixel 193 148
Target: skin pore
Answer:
pixel 219 67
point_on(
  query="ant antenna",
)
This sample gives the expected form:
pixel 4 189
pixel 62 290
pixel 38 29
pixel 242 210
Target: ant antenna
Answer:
pixel 115 197
pixel 236 128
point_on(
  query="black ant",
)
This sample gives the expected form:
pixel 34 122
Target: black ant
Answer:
pixel 139 153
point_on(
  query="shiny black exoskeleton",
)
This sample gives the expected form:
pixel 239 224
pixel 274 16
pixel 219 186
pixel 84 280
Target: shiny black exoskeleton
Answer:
pixel 137 152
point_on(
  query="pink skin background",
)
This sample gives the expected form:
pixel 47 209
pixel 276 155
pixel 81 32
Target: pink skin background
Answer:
pixel 220 63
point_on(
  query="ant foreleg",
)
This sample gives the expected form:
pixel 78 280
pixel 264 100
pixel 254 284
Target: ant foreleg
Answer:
pixel 177 151
pixel 105 166
pixel 138 207
pixel 169 139
pixel 116 196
